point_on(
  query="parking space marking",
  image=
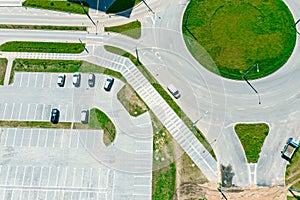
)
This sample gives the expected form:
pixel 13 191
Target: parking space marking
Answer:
pixel 36 105
pixel 82 173
pixel 28 79
pixel 43 80
pixel 14 138
pixel 50 81
pixel 74 174
pixel 66 112
pixel 46 139
pixel 49 172
pixel 38 138
pixel 21 80
pixel 28 107
pixel 8 172
pixel 4 110
pixel 36 75
pixel 12 111
pixel 43 111
pixel 22 138
pixel 19 116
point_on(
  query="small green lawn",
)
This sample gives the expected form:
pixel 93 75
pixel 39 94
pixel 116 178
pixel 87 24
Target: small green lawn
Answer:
pixel 99 120
pixel 293 198
pixel 68 66
pixel 34 124
pixel 237 34
pixel 43 47
pixel 3 65
pixel 63 5
pixel 164 182
pixel 42 27
pixel 292 172
pixel 121 5
pixel 252 137
pixel 132 29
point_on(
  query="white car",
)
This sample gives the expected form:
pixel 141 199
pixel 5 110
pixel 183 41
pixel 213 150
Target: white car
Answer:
pixel 172 89
pixel 84 116
pixel 61 80
pixel 76 79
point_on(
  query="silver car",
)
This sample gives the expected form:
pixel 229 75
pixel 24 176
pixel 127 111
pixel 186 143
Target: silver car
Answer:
pixel 91 80
pixel 76 79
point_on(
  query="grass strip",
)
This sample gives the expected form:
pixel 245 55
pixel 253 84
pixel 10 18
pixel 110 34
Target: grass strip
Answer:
pixel 292 171
pixel 3 65
pixel 252 137
pixel 64 6
pixel 132 29
pixel 188 122
pixel 67 66
pixel 164 182
pixel 34 124
pixel 42 27
pixel 43 47
pixel 121 5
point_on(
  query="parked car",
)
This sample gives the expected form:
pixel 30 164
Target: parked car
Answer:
pixel 91 80
pixel 61 80
pixel 54 116
pixel 84 116
pixel 76 79
pixel 108 83
pixel 172 89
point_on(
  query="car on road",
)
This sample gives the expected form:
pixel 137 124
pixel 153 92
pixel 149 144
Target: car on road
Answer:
pixel 84 116
pixel 54 116
pixel 61 80
pixel 76 79
pixel 91 80
pixel 108 83
pixel 172 89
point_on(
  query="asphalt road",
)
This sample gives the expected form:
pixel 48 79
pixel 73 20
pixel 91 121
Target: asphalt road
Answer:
pixel 216 102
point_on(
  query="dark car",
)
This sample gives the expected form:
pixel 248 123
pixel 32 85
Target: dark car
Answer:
pixel 55 116
pixel 108 83
pixel 76 79
pixel 91 80
pixel 61 80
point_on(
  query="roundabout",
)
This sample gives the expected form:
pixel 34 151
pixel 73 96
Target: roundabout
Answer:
pixel 239 34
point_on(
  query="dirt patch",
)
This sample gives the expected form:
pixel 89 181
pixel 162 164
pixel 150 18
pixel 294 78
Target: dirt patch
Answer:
pixel 131 101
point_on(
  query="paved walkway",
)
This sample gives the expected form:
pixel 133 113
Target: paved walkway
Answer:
pixel 8 70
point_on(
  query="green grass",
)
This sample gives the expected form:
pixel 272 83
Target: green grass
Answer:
pixel 42 27
pixel 292 172
pixel 99 120
pixel 131 101
pixel 132 29
pixel 34 124
pixel 3 65
pixel 164 183
pixel 43 47
pixel 67 66
pixel 252 137
pixel 121 5
pixel 237 34
pixel 64 5
pixel 164 94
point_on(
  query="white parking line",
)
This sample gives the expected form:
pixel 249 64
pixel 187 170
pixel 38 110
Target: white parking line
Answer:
pixel 41 175
pixel 28 106
pixel 82 173
pixel 66 174
pixel 35 80
pixel 49 172
pixel 28 79
pixel 8 172
pixel 22 138
pixel 12 111
pixel 34 117
pixel 6 136
pixel 43 80
pixel 66 112
pixel 38 138
pixel 56 182
pixel 73 179
pixel 62 138
pixel 98 184
pixel 43 112
pixel 46 139
pixel 31 180
pixel 13 143
pixel 20 111
pixel 21 80
pixel 55 133
pixel 4 110
pixel 50 81
pixel 29 144
pixel 91 173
